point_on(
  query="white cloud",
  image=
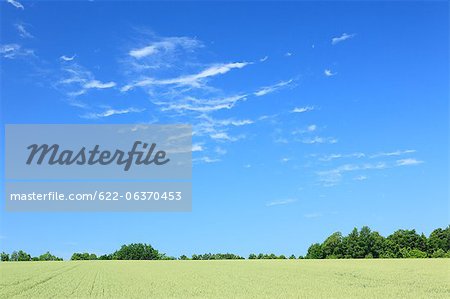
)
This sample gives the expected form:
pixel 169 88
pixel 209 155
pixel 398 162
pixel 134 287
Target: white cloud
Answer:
pixel 67 58
pixel 111 112
pixel 409 161
pixel 330 157
pixel 168 44
pixel 288 54
pixel 16 4
pixel 220 151
pixel 395 153
pixel 194 80
pixel 22 31
pixel 99 85
pixel 281 202
pixel 269 89
pixel 201 105
pixel 264 58
pixel 311 128
pixel 359 155
pixel 318 139
pixel 216 128
pixel 223 136
pixel 329 73
pixel 12 51
pixel 360 178
pixel 343 37
pixel 197 147
pixel 334 176
pixel 313 215
pixel 76 80
pixel 139 53
pixel 302 109
pixel 285 160
pixel 206 159
pixel 236 123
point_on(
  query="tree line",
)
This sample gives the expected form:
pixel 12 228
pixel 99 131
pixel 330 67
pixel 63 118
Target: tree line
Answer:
pixel 22 256
pixel 363 243
pixel 366 243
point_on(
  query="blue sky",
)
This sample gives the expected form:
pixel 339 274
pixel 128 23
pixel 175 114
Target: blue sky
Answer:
pixel 308 118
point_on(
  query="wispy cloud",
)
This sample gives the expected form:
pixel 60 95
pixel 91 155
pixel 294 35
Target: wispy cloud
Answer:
pixel 269 89
pixel 111 112
pixel 205 159
pixel 223 136
pixel 197 147
pixel 16 4
pixel 168 44
pixel 220 151
pixel 12 51
pixel 99 85
pixel 76 80
pixel 359 155
pixel 302 109
pixel 360 178
pixel 395 153
pixel 67 58
pixel 343 37
pixel 195 80
pixel 409 161
pixel 309 129
pixel 318 139
pixel 331 157
pixel 333 176
pixel 313 215
pixel 288 54
pixel 264 59
pixel 22 31
pixel 328 73
pixel 281 202
pixel 201 105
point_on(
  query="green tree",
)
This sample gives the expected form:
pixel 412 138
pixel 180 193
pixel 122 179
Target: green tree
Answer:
pixel 315 252
pixel 14 256
pixel 4 257
pixel 439 239
pixel 332 246
pixel 352 246
pixel 105 257
pixel 438 253
pixel 22 256
pixel 137 251
pixel 48 257
pixel 80 256
pixel 407 239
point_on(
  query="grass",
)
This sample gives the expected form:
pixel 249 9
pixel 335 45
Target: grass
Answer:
pixel 402 278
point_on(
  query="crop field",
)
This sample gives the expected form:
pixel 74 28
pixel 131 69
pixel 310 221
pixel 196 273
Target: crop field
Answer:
pixel 402 278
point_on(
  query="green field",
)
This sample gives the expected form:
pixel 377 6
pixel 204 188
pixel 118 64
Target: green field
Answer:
pixel 400 278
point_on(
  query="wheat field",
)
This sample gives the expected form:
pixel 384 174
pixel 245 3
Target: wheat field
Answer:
pixel 401 278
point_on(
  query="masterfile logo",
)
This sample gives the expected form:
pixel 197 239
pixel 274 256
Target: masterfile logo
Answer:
pixel 53 155
pixel 98 167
